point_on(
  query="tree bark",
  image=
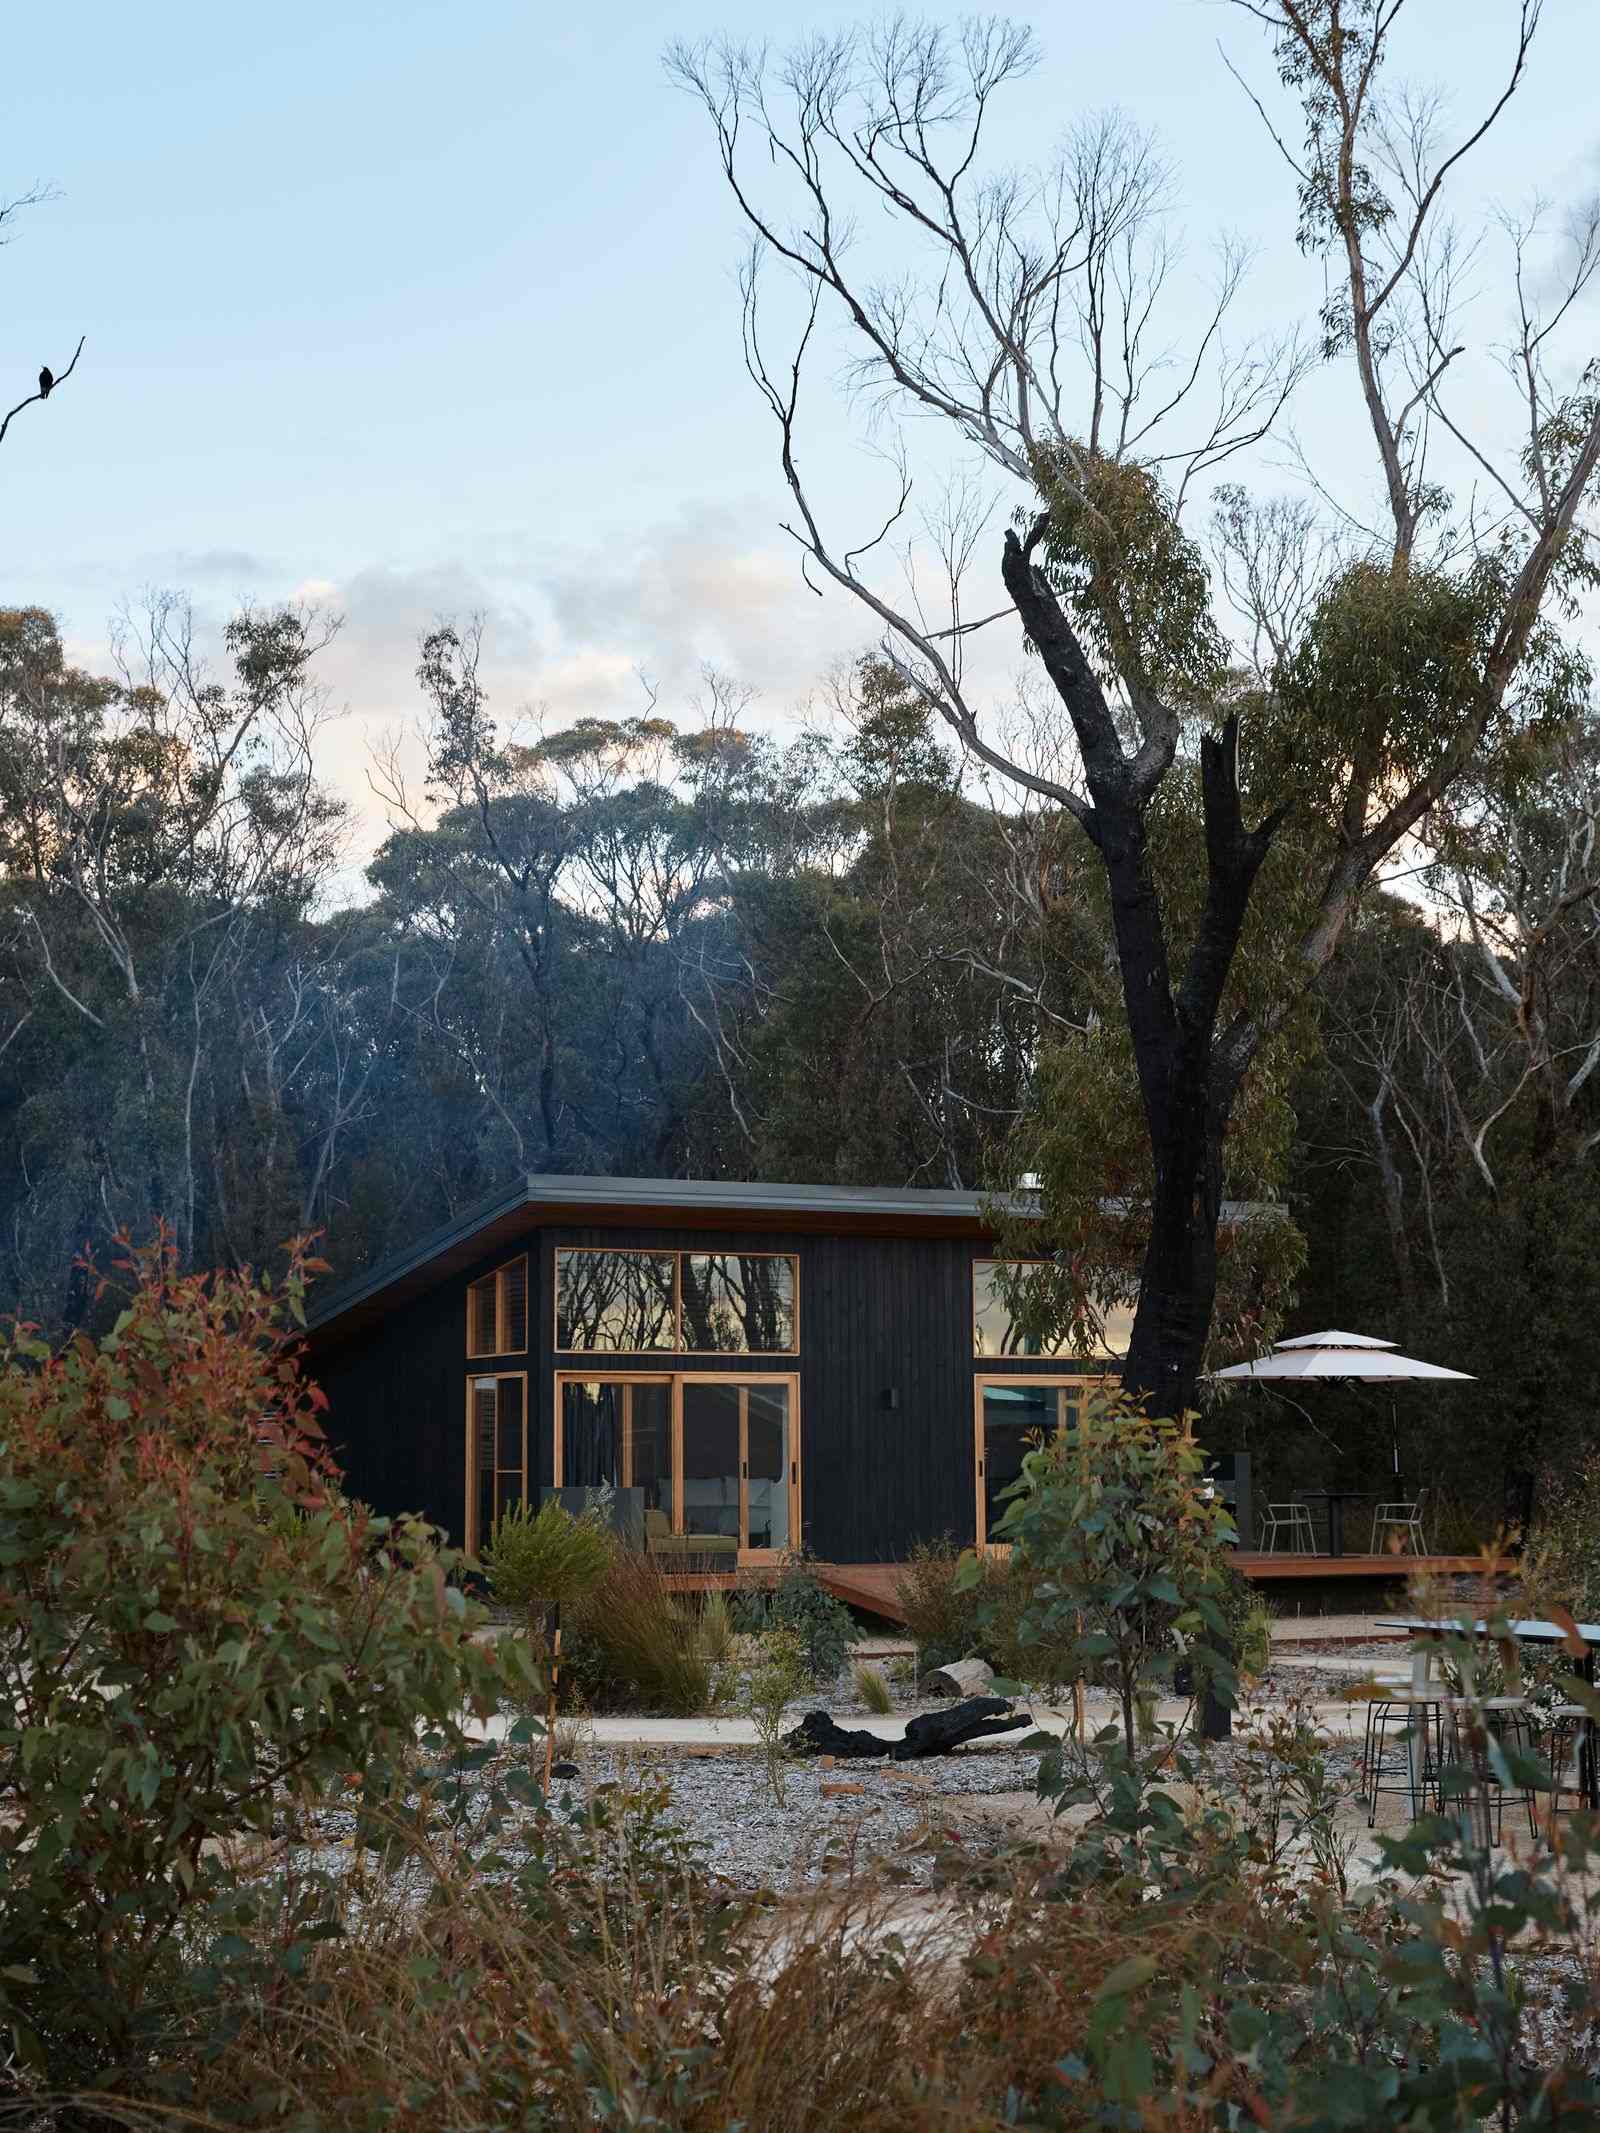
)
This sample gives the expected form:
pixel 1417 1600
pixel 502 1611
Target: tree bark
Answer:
pixel 1189 1069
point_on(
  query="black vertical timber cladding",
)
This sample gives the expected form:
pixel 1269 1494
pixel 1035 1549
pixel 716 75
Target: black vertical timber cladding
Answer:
pixel 396 1408
pixel 880 1317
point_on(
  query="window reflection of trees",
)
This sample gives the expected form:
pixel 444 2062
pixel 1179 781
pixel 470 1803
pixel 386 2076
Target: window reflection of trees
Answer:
pixel 1027 1307
pixel 616 1302
pixel 701 1303
pixel 737 1303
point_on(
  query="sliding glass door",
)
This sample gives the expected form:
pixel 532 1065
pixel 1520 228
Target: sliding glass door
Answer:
pixel 715 1458
pixel 1012 1415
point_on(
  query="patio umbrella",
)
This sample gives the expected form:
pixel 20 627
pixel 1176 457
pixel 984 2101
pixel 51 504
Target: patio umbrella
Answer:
pixel 1340 1355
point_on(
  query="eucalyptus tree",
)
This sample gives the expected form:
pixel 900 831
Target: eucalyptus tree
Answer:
pixel 1238 790
pixel 161 826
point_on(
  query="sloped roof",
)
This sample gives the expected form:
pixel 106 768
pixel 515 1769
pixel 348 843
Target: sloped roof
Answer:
pixel 667 1203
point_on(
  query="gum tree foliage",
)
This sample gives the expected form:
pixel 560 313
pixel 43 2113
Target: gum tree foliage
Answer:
pixel 1250 711
pixel 199 1637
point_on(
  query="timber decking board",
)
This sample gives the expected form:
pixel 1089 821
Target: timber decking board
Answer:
pixel 1268 1567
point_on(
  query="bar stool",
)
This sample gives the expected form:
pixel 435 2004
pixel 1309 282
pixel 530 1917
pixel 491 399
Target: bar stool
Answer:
pixel 1466 1727
pixel 1570 1741
pixel 1403 1724
pixel 1293 1519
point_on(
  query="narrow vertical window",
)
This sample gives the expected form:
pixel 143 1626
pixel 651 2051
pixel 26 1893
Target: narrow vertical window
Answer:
pixel 497 1441
pixel 497 1311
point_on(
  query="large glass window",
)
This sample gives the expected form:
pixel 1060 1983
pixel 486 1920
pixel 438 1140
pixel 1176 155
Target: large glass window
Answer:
pixel 1013 1298
pixel 694 1303
pixel 715 1460
pixel 616 1303
pixel 737 1303
pixel 617 1433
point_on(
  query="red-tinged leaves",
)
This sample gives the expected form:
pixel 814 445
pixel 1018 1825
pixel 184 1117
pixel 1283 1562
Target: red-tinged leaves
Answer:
pixel 1571 1637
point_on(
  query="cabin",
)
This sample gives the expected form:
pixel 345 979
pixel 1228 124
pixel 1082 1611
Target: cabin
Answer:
pixel 750 1368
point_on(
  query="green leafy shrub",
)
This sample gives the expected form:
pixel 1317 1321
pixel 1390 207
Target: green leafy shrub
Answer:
pixel 1127 1552
pixel 633 1643
pixel 959 1605
pixel 797 1602
pixel 771 1685
pixel 546 1558
pixel 198 1635
pixel 1247 1619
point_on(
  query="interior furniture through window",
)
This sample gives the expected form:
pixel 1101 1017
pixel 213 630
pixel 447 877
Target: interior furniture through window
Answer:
pixel 716 1457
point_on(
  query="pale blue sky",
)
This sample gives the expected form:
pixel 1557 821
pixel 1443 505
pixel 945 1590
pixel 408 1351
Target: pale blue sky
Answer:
pixel 431 307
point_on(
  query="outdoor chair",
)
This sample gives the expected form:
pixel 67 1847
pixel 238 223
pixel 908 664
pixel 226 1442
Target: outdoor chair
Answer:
pixel 1400 1754
pixel 1293 1519
pixel 1566 1744
pixel 1467 1730
pixel 1403 1518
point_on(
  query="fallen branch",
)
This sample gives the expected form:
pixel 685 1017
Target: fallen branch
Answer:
pixel 934 1733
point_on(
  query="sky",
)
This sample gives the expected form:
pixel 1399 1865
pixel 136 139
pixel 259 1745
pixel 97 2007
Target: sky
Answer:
pixel 426 310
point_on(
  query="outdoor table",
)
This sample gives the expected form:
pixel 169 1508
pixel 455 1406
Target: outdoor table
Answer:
pixel 1336 1500
pixel 1422 1629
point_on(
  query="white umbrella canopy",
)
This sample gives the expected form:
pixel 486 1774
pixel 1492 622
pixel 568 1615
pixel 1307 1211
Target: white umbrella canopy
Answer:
pixel 1340 1355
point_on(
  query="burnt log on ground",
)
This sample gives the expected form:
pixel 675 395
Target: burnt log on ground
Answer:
pixel 934 1733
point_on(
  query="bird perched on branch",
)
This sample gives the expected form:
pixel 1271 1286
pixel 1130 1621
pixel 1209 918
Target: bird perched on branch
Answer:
pixel 46 380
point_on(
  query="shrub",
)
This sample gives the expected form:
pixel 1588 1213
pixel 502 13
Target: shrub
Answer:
pixel 941 1615
pixel 1561 1565
pixel 1127 1552
pixel 634 1644
pixel 977 1612
pixel 1248 1621
pixel 544 1559
pixel 798 1602
pixel 197 1634
pixel 771 1685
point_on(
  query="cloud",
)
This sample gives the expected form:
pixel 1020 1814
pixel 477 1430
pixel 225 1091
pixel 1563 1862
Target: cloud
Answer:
pixel 569 634
pixel 570 630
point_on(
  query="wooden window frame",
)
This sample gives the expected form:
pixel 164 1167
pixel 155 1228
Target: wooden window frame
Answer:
pixel 498 1276
pixel 1088 1381
pixel 676 1380
pixel 677 1254
pixel 469 1526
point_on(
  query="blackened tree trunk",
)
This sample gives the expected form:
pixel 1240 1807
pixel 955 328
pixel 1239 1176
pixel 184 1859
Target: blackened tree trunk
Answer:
pixel 1190 1061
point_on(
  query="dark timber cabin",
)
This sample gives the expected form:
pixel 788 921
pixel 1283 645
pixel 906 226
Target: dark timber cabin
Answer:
pixel 753 1368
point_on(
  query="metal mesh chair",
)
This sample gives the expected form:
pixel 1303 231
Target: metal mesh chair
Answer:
pixel 1293 1520
pixel 1566 1744
pixel 1403 1517
pixel 1400 1754
pixel 1467 1732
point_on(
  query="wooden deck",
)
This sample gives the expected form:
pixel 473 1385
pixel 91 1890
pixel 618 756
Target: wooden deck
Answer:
pixel 1269 1568
pixel 874 1587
